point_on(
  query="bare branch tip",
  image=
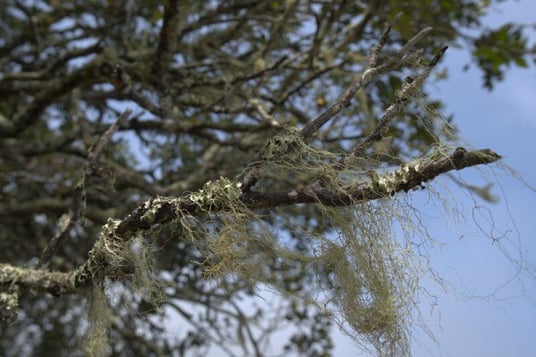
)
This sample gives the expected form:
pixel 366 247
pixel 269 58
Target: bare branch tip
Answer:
pixel 390 26
pixel 126 113
pixel 396 18
pixel 427 29
pixel 438 56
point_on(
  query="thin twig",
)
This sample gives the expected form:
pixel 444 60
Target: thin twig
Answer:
pixel 104 139
pixel 361 81
pixel 414 40
pixel 376 50
pixel 408 87
pixel 358 29
pixel 166 41
pixel 68 221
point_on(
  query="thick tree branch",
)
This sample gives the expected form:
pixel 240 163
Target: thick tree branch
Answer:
pixel 55 283
pixel 404 178
pixel 162 210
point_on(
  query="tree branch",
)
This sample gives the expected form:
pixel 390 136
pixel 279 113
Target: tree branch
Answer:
pixel 162 210
pixel 166 39
pixel 408 87
pixel 55 283
pixel 66 223
pixel 404 178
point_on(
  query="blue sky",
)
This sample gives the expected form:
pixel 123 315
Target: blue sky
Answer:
pixel 491 311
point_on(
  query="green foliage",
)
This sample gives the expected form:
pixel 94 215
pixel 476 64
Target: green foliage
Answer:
pixel 497 49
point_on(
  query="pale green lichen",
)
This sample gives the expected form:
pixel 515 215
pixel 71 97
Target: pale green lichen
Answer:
pixel 216 193
pixel 152 208
pixel 281 144
pixel 389 182
pixel 110 226
pixel 95 341
pixel 9 306
pixel 125 260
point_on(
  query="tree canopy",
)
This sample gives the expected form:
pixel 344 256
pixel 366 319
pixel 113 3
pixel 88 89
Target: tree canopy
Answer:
pixel 163 162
